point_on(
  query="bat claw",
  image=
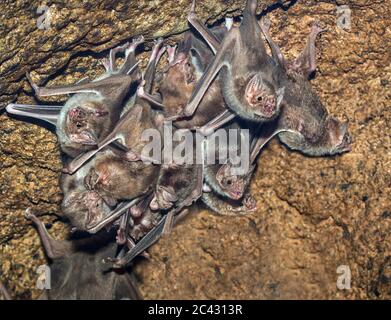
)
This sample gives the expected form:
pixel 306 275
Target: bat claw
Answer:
pixel 316 28
pixel 138 40
pixel 35 87
pixel 66 170
pixel 159 41
pixel 106 64
pixel 28 214
pixel 154 205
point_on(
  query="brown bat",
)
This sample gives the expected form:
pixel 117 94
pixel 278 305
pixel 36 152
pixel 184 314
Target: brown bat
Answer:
pixel 304 123
pixel 119 181
pixel 84 208
pixel 90 203
pixel 128 132
pixel 186 66
pixel 116 179
pixel 179 184
pixel 91 114
pixel 220 176
pixel 77 271
pixel 305 63
pixel 250 80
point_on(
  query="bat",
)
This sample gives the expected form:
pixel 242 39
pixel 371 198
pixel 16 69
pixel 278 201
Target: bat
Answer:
pixel 84 208
pixel 179 185
pixel 250 80
pixel 147 240
pixel 91 113
pixel 305 124
pixel 116 179
pixel 89 204
pixel 77 271
pixel 128 132
pixel 219 176
pixel 186 66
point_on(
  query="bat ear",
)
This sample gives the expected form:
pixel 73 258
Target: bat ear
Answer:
pixel 344 128
pixel 336 130
pixel 222 172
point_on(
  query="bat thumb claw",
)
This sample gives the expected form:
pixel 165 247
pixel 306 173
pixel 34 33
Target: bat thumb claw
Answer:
pixel 28 214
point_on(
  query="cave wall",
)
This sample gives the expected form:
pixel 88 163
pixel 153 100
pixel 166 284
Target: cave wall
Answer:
pixel 314 214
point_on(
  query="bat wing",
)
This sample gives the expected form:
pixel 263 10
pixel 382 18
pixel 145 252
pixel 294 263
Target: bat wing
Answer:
pixel 49 114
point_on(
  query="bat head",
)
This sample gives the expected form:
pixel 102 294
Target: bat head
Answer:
pixel 164 199
pixel 84 208
pixel 178 85
pixel 83 123
pixel 181 71
pixel 146 222
pixel 234 186
pixel 339 139
pixel 262 99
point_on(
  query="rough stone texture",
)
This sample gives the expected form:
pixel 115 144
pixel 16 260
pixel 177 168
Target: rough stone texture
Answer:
pixel 314 214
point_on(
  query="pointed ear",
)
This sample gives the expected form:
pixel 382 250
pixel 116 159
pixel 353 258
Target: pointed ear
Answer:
pixel 223 172
pixel 280 96
pixel 344 128
pixel 336 130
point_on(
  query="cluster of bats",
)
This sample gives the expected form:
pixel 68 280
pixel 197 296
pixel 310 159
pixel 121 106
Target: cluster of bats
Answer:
pixel 216 78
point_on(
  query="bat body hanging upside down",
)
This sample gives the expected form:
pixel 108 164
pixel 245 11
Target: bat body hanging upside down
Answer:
pixel 77 271
pixel 91 114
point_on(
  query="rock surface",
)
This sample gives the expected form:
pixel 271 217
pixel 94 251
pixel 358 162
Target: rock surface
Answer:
pixel 314 215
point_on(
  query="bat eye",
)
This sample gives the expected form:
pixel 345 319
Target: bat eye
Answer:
pixel 259 98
